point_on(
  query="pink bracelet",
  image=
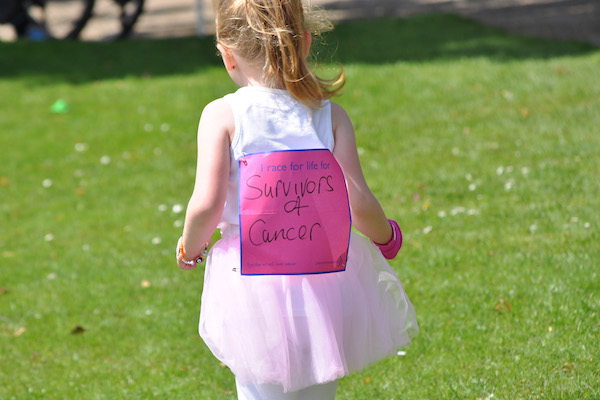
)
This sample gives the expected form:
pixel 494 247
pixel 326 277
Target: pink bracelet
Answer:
pixel 391 249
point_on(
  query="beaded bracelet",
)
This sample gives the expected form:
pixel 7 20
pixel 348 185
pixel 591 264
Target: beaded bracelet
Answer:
pixel 198 259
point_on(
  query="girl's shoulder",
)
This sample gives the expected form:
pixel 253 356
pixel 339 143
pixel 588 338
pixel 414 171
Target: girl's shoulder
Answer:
pixel 338 114
pixel 218 115
pixel 219 108
pixel 340 121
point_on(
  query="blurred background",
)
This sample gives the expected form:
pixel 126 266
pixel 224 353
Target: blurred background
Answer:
pixel 554 19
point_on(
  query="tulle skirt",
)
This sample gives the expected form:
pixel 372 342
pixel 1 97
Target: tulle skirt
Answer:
pixel 300 330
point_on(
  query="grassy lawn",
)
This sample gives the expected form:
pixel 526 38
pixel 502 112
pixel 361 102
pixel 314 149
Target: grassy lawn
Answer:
pixel 485 146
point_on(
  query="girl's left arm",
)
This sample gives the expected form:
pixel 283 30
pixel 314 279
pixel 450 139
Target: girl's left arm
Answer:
pixel 206 204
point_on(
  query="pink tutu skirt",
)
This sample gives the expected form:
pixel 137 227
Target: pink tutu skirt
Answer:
pixel 300 330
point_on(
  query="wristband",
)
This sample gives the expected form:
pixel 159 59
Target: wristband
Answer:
pixel 197 260
pixel 391 249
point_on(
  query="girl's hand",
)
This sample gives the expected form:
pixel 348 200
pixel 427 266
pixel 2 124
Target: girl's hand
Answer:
pixel 183 265
pixel 180 259
pixel 391 249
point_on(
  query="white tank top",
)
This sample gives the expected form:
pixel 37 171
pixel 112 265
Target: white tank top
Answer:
pixel 269 120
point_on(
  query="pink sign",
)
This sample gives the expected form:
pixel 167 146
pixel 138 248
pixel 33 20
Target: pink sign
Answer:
pixel 294 213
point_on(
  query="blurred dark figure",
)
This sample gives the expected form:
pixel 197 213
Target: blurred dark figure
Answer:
pixel 14 12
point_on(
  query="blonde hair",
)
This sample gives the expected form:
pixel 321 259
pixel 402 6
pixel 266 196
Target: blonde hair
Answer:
pixel 270 34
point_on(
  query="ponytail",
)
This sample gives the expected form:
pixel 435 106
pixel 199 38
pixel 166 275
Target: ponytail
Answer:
pixel 271 34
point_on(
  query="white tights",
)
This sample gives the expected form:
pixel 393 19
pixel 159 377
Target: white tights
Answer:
pixel 324 391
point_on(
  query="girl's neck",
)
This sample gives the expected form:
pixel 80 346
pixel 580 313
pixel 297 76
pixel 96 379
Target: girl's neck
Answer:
pixel 257 80
pixel 247 74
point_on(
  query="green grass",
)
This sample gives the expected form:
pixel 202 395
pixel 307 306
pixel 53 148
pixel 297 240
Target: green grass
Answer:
pixel 485 146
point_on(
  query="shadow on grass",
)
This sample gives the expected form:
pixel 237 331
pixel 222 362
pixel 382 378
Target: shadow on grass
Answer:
pixel 82 62
pixel 417 39
pixel 440 37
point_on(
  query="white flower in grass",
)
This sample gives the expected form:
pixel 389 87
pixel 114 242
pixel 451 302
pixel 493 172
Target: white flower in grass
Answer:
pixel 469 177
pixel 509 184
pixel 524 170
pixel 427 229
pixel 457 210
pixel 499 170
pixel 51 276
pixel 81 147
pixel 473 211
pixel 586 225
pixel 574 220
pixel 509 96
pixel 178 223
pixel 455 151
pixel 157 240
pixel 162 207
pixel 47 183
pixel 472 187
pixel 177 208
pixel 533 228
pixel 401 353
pixel 105 160
pixel 165 127
pixel 441 214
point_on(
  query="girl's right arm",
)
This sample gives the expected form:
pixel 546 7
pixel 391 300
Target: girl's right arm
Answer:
pixel 367 215
pixel 210 190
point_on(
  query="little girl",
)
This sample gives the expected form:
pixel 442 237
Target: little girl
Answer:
pixel 292 299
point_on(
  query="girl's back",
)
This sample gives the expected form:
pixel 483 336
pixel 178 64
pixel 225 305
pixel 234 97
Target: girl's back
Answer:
pixel 271 120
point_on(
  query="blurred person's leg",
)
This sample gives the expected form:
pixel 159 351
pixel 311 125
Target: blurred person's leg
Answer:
pixel 13 12
pixel 8 9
